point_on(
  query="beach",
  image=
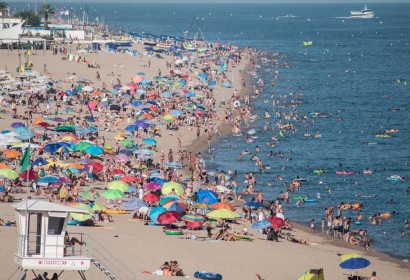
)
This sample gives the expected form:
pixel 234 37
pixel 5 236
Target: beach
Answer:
pixel 145 248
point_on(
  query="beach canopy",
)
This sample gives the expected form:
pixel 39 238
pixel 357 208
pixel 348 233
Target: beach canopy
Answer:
pixel 312 274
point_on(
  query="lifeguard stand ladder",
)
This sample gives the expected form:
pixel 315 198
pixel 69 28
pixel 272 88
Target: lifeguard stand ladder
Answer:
pixel 41 228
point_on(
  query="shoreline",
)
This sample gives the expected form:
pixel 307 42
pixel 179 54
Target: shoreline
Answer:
pixel 154 241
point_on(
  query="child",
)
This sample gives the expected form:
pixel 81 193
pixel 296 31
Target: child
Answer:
pixel 323 225
pixel 312 225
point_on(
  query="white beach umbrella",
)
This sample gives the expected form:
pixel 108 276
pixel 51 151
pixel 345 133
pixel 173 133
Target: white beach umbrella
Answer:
pixel 87 88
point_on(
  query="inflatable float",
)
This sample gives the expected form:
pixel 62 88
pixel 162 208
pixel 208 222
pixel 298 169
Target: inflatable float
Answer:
pixel 73 223
pixel 173 232
pixel 109 211
pixel 318 171
pixel 207 275
pixel 395 178
pixel 358 223
pixel 311 200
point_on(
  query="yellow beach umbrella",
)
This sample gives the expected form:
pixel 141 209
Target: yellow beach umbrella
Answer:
pixel 225 214
pixel 345 257
pixel 169 186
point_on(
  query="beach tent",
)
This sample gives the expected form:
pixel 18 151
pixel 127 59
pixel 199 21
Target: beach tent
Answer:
pixel 312 274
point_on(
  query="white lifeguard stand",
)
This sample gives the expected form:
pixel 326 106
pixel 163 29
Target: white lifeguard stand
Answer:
pixel 41 227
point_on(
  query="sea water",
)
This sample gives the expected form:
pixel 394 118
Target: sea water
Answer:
pixel 356 73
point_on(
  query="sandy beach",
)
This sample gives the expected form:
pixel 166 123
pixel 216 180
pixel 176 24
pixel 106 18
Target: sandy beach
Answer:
pixel 141 247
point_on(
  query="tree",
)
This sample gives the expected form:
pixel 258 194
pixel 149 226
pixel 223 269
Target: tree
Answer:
pixel 4 9
pixel 46 9
pixel 30 16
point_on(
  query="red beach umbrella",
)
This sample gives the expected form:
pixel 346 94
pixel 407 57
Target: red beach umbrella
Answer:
pixel 276 222
pixel 151 197
pixel 44 124
pixel 117 172
pixel 32 175
pixel 168 217
pixel 97 167
pixel 129 179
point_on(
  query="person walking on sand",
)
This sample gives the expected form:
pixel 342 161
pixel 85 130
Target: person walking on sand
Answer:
pixel 374 277
pixel 98 76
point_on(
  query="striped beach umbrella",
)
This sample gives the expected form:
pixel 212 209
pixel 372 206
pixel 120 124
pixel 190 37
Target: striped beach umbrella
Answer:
pixel 134 204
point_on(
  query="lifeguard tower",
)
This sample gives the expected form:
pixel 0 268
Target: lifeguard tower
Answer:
pixel 41 228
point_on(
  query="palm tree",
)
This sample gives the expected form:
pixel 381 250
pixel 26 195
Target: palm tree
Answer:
pixel 46 9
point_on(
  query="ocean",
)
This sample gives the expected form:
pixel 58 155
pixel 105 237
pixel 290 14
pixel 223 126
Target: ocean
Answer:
pixel 355 75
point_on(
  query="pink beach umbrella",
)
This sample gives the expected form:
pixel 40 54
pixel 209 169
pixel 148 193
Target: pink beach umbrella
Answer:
pixel 152 186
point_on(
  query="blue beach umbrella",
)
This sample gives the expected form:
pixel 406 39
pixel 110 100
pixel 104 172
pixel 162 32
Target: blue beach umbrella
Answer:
pixel 48 180
pixel 17 125
pixel 94 150
pixel 159 181
pixel 167 198
pixel 131 128
pixel 24 133
pixel 176 113
pixel 149 141
pixel 136 103
pixel 39 161
pixel 355 263
pixel 227 84
pixel 142 124
pixel 261 224
pixel 51 148
pixel 155 212
pixel 71 169
pixel 166 94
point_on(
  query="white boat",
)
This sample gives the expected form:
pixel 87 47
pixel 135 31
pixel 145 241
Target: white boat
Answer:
pixel 365 13
pixel 11 29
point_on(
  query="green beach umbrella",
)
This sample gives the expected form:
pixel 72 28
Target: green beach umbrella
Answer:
pixel 82 146
pixel 118 185
pixel 67 128
pixel 225 214
pixel 82 206
pixel 126 143
pixel 80 217
pixel 113 194
pixel 86 195
pixel 9 173
pixel 98 207
pixel 168 186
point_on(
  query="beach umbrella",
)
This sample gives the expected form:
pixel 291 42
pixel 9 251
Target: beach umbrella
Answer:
pixel 141 74
pixel 69 137
pixel 59 120
pixel 355 263
pixel 29 174
pixel 193 217
pixel 98 207
pixel 149 141
pixel 134 204
pixel 142 124
pixel 276 222
pixel 39 161
pixel 168 187
pixel 63 150
pixel 82 206
pixel 71 169
pixel 227 84
pixel 94 150
pixel 223 205
pixel 97 167
pixel 261 224
pixel 202 206
pixel 254 204
pixel 345 257
pixel 131 189
pixel 159 181
pixel 51 148
pixel 113 194
pixel 137 79
pixel 117 172
pixel 176 113
pixel 82 146
pixel 129 179
pixel 152 186
pixel 44 124
pixel 127 143
pixel 9 173
pixel 155 212
pixel 168 217
pixel 87 88
pixel 115 107
pixel 11 154
pixel 123 157
pixel 24 133
pixel 150 197
pixel 177 206
pixel 3 165
pixel 118 185
pixel 224 214
pixel 167 198
pixel 65 128
pixel 131 128
pixel 86 195
pixel 17 124
pixel 207 196
pixel 48 180
pixel 80 217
